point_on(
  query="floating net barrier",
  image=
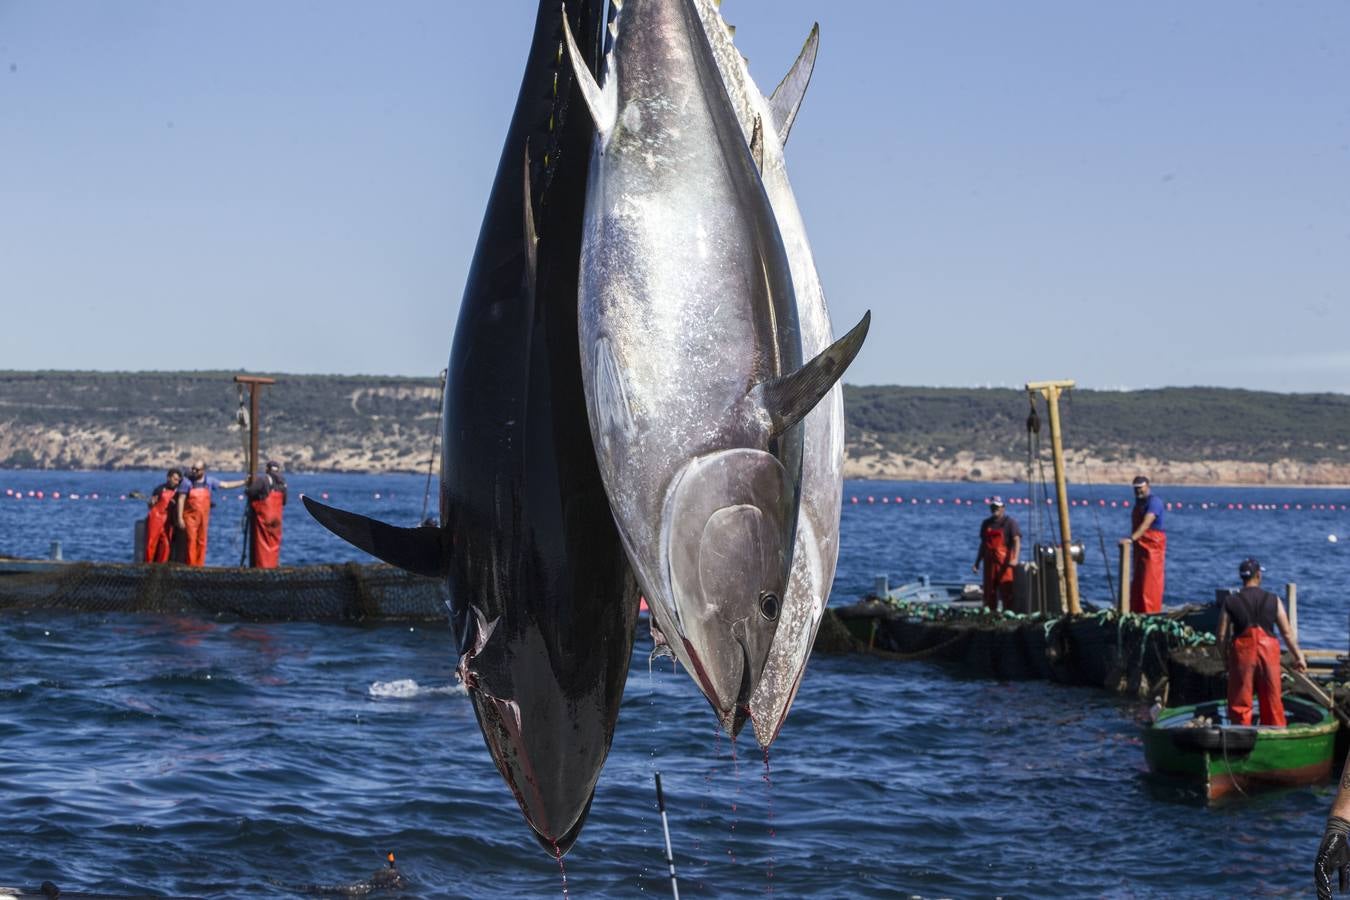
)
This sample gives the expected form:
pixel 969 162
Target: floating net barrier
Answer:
pixel 1128 654
pixel 344 592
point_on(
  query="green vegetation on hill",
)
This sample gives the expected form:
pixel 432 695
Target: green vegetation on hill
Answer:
pixel 122 419
pixel 1192 424
pixel 161 413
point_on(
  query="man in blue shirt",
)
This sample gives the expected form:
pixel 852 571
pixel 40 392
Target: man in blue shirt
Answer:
pixel 1150 549
pixel 192 514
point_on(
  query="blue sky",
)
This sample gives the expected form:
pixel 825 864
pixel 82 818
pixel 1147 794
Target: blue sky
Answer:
pixel 1132 195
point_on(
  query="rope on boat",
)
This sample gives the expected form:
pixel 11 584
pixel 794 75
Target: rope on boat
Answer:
pixel 921 654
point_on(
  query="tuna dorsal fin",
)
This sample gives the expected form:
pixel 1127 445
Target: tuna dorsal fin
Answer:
pixel 757 144
pixel 787 97
pixel 418 550
pixel 603 102
pixel 790 397
pixel 531 236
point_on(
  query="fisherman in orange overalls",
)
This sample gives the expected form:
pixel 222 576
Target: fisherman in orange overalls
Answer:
pixel 1247 623
pixel 192 514
pixel 266 500
pixel 1000 545
pixel 158 531
pixel 1150 549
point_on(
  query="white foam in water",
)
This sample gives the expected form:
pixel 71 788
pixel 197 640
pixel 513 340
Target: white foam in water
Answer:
pixel 406 688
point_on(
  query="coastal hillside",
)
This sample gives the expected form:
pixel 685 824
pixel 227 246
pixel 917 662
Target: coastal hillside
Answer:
pixel 1176 435
pixel 93 420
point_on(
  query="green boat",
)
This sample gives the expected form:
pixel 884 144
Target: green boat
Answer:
pixel 1197 745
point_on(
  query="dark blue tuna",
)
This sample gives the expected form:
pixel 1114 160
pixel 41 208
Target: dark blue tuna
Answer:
pixel 543 602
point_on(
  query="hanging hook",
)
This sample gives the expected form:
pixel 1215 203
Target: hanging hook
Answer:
pixel 1033 419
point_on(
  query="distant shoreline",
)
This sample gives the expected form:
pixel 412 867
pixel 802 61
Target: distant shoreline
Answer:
pixel 221 470
pixel 91 421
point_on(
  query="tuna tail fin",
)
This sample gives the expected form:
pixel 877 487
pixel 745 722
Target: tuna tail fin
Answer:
pixel 603 102
pixel 787 97
pixel 790 397
pixel 421 551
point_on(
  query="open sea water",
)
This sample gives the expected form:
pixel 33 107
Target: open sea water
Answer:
pixel 206 758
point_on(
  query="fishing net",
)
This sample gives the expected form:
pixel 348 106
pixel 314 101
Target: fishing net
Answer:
pixel 335 593
pixel 1127 654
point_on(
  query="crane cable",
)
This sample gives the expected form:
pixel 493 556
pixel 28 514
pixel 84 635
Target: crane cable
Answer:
pixel 241 418
pixel 435 438
pixel 1096 520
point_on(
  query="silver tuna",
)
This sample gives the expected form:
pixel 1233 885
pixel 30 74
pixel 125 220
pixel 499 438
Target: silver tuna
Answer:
pixel 816 550
pixel 691 356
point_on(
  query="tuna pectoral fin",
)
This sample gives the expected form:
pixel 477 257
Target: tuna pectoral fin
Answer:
pixel 602 102
pixel 418 550
pixel 790 397
pixel 787 97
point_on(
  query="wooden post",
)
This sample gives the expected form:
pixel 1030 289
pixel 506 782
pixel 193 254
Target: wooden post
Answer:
pixel 253 381
pixel 1051 390
pixel 1291 597
pixel 1123 599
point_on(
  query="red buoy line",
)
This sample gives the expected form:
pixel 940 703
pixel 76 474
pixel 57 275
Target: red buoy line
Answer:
pixel 897 500
pixel 1171 506
pixel 37 494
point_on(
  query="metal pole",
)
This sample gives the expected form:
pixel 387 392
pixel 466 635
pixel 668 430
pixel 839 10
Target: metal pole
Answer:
pixel 665 827
pixel 1051 391
pixel 253 381
pixel 252 431
pixel 1123 600
pixel 252 462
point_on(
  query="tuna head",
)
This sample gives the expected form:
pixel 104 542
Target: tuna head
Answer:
pixel 727 536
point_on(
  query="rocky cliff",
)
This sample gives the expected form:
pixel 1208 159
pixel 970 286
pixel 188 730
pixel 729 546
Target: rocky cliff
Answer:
pixel 98 420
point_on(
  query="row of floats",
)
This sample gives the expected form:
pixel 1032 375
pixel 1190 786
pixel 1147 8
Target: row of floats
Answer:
pixel 1112 504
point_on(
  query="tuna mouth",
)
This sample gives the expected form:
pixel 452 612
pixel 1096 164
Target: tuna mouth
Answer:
pixel 558 847
pixel 740 710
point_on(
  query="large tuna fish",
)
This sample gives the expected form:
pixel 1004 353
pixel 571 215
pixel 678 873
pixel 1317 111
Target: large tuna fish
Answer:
pixel 690 350
pixel 543 601
pixel 816 550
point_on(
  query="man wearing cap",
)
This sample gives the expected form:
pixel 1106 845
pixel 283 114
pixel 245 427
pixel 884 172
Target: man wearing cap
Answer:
pixel 266 494
pixel 1247 623
pixel 1150 549
pixel 1000 544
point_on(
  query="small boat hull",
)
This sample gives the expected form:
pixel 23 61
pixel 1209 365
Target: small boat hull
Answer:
pixel 1226 759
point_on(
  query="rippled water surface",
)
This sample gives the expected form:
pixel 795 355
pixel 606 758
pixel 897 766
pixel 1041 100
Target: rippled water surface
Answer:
pixel 222 759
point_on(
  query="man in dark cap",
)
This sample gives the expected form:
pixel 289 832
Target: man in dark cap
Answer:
pixel 1247 623
pixel 1000 545
pixel 1150 549
pixel 266 494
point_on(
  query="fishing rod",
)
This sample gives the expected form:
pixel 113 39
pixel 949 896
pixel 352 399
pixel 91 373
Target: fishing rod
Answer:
pixel 665 827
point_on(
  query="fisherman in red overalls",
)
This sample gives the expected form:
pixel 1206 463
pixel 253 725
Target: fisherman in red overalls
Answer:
pixel 1000 545
pixel 158 531
pixel 266 500
pixel 1247 623
pixel 192 514
pixel 1150 549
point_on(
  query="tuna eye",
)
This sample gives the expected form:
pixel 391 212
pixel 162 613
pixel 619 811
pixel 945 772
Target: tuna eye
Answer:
pixel 768 605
